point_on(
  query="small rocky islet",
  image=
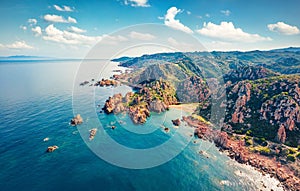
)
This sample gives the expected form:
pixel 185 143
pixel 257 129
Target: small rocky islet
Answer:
pixel 50 149
pixel 76 120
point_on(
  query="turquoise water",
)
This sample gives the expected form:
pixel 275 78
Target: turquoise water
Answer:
pixel 36 102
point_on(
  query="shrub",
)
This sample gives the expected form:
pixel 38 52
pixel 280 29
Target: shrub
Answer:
pixel 249 132
pixel 292 150
pixel 249 142
pixel 264 150
pixel 261 141
pixel 291 157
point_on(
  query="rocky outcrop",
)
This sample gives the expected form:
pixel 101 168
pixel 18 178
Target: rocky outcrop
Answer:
pixel 281 134
pixel 243 90
pixel 158 106
pixel 283 111
pixel 106 82
pixel 92 133
pixel 176 122
pixel 114 104
pixel 50 149
pixel 76 120
pixel 139 113
pixel 193 89
pixel 221 139
pixel 153 97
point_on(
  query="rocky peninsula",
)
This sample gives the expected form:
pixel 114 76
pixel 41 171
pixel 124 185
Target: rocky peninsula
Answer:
pixel 156 96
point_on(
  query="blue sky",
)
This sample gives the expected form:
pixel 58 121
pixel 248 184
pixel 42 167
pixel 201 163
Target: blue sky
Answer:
pixel 69 29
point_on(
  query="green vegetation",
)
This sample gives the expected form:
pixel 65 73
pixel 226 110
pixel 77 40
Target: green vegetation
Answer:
pixel 248 140
pixel 291 157
pixel 292 150
pixel 262 150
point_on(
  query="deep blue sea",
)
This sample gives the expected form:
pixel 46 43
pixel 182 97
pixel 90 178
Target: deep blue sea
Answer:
pixel 36 102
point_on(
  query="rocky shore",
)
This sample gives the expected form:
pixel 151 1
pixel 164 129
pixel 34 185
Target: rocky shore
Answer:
pixel 102 83
pixel 156 97
pixel 236 149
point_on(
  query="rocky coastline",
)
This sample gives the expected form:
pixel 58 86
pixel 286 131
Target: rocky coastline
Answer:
pixel 236 149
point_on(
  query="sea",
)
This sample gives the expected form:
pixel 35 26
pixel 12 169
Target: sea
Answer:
pixel 39 98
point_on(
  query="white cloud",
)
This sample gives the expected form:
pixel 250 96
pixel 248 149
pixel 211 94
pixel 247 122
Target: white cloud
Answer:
pixel 189 12
pixel 161 18
pixel 76 29
pixel 23 27
pixel 59 19
pixel 63 8
pixel 141 36
pixel 284 28
pixel 71 20
pixel 170 20
pixel 207 15
pixel 137 3
pixel 32 21
pixel 226 12
pixel 72 38
pixel 66 37
pixel 18 45
pixel 226 31
pixel 37 30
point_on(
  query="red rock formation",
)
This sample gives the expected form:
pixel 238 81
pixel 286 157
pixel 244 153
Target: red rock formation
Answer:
pixel 281 135
pixel 244 94
pixel 281 110
pixel 76 120
pixel 50 149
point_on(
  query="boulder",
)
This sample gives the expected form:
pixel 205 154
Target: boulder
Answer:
pixel 176 122
pixel 93 133
pixel 50 149
pixel 76 120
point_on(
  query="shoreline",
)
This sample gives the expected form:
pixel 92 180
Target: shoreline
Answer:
pixel 189 107
pixel 235 149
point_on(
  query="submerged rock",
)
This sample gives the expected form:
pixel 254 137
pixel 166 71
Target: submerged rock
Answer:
pixel 76 120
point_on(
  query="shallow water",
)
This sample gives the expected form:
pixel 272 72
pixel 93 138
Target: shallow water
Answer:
pixel 36 102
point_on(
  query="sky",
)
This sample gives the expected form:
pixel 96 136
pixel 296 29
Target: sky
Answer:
pixel 71 28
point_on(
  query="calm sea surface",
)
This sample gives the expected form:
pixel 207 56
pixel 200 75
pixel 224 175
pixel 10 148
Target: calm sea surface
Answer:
pixel 36 102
